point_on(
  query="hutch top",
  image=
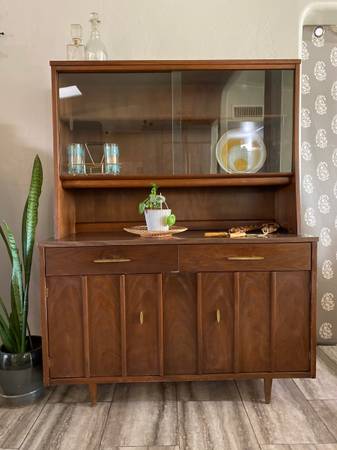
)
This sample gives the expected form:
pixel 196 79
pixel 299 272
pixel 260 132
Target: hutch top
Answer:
pixel 166 118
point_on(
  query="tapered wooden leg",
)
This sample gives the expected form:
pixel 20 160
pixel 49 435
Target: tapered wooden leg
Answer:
pixel 267 389
pixel 93 393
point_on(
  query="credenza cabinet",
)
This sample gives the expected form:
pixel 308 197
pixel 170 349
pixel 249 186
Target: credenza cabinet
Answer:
pixel 121 308
pixel 240 312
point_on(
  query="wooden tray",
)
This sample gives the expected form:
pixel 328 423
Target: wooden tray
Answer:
pixel 142 231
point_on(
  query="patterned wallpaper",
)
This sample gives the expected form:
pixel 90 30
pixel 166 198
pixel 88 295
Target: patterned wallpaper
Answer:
pixel 319 167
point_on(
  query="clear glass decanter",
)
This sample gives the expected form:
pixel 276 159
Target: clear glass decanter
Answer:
pixel 75 50
pixel 95 49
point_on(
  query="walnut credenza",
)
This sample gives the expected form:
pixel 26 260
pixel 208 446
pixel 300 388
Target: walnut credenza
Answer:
pixel 121 309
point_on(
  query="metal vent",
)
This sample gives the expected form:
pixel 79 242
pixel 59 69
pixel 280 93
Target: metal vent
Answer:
pixel 241 111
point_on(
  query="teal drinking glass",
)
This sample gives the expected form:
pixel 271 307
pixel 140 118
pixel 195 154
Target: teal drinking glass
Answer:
pixel 111 158
pixel 76 159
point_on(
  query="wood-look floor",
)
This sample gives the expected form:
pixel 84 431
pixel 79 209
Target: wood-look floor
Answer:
pixel 183 416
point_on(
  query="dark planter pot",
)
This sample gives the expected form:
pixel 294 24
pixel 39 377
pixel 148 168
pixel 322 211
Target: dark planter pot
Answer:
pixel 21 375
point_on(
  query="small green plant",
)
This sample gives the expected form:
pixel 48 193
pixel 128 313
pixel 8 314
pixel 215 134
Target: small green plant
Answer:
pixel 153 201
pixel 156 201
pixel 13 323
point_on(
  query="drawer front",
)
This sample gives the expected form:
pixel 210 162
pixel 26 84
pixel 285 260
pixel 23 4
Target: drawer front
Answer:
pixel 246 257
pixel 111 259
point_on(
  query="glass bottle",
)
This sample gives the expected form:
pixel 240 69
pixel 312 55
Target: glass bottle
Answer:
pixel 75 50
pixel 95 49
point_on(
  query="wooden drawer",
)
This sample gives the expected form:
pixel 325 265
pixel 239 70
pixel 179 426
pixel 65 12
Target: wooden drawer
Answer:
pixel 245 257
pixel 111 259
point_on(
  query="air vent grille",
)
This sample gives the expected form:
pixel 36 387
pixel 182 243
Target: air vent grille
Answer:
pixel 249 111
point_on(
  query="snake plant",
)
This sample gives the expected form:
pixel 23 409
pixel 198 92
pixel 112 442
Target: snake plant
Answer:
pixel 13 320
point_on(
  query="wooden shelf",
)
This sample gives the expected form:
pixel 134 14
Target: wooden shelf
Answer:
pixel 108 181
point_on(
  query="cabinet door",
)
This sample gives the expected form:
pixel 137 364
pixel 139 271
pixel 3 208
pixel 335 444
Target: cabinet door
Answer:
pixel 180 323
pixel 253 321
pixel 217 321
pixel 65 327
pixel 142 296
pixel 291 319
pixel 104 325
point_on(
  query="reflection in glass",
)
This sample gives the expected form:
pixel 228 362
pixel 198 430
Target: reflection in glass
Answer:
pixel 241 150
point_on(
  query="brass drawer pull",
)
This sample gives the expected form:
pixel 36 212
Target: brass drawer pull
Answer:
pixel 111 260
pixel 218 315
pixel 141 318
pixel 245 258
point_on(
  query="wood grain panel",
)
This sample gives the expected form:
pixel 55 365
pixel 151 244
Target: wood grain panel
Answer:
pixel 222 257
pixel 104 325
pixel 43 316
pixel 292 321
pixel 86 261
pixel 142 346
pixel 197 204
pixel 254 318
pixel 217 293
pixel 65 327
pixel 180 323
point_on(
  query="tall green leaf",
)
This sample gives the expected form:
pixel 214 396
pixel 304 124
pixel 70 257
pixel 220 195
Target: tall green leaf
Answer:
pixel 4 309
pixel 17 290
pixel 30 217
pixel 29 223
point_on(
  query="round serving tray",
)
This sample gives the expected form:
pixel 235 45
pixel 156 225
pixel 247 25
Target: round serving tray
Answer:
pixel 142 231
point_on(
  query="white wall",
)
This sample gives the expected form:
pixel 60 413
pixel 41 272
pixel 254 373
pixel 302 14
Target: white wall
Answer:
pixel 37 31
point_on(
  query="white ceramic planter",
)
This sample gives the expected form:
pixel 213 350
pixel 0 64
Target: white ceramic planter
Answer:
pixel 156 219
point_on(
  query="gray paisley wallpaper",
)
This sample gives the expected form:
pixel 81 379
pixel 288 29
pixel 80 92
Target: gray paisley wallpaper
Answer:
pixel 319 167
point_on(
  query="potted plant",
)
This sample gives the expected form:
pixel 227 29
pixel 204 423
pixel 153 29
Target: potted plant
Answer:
pixel 157 218
pixel 21 353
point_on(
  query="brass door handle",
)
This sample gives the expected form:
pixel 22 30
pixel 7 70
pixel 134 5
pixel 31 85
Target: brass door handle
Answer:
pixel 218 315
pixel 141 317
pixel 111 260
pixel 245 258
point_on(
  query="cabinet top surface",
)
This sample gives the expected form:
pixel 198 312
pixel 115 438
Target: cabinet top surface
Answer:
pixel 206 63
pixel 189 237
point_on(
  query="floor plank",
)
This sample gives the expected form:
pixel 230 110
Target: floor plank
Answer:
pixel 68 427
pixel 208 391
pixel 327 411
pixel 330 351
pixel 143 414
pixel 80 393
pixel 15 423
pixel 301 447
pixel 289 419
pixel 325 384
pixel 208 425
pixel 161 447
